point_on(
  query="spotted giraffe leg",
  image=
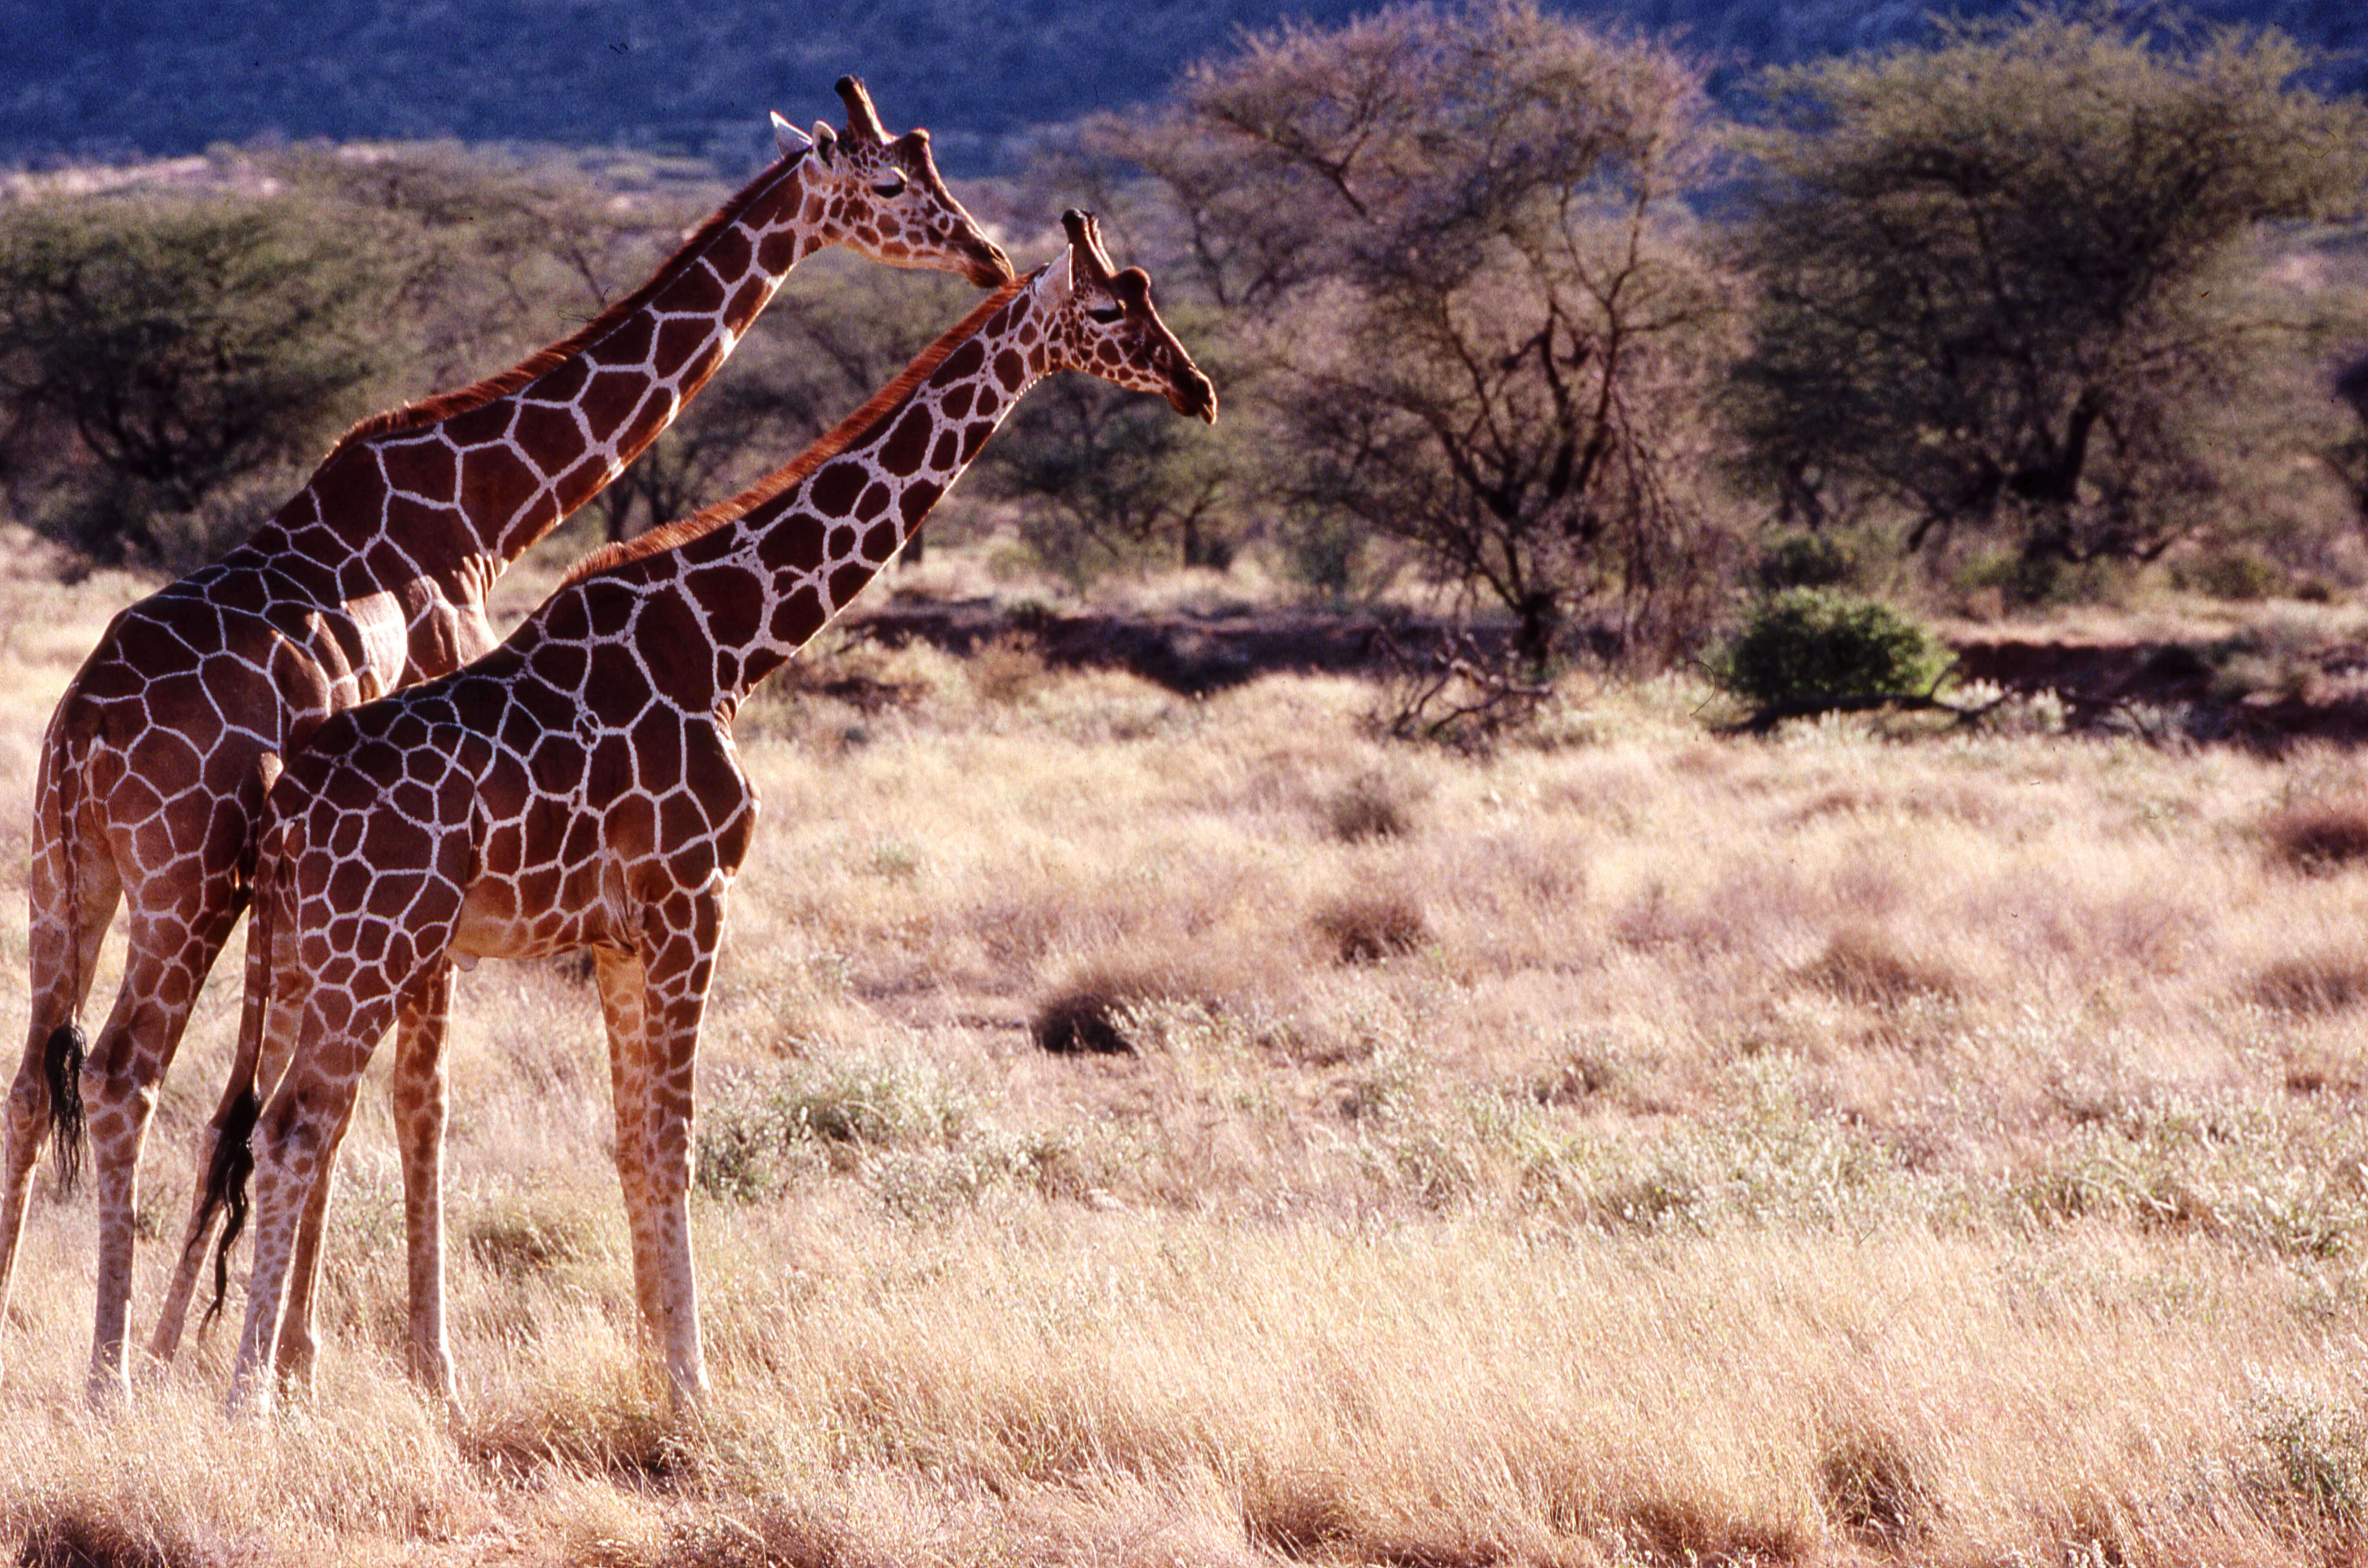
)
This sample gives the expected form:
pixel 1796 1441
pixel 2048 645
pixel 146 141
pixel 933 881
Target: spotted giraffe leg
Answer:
pixel 295 1149
pixel 170 952
pixel 621 995
pixel 233 1117
pixel 299 1345
pixel 678 962
pixel 197 1239
pixel 64 943
pixel 420 1112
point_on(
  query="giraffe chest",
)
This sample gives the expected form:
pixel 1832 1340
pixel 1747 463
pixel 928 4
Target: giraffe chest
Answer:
pixel 584 833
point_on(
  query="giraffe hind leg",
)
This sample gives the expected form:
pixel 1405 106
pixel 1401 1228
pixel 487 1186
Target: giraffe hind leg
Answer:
pixel 228 1160
pixel 65 939
pixel 170 952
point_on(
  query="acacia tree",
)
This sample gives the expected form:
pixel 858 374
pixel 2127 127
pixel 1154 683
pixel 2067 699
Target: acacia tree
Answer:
pixel 178 348
pixel 2004 280
pixel 1454 251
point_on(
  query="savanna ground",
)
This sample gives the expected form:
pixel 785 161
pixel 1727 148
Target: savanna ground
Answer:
pixel 1635 1146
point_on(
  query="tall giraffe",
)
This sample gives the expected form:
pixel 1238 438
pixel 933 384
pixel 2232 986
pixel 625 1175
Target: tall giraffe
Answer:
pixel 374 577
pixel 578 787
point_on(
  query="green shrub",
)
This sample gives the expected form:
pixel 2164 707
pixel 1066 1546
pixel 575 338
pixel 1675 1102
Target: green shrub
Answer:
pixel 1809 642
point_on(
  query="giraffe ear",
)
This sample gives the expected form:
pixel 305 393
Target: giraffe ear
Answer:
pixel 825 141
pixel 788 138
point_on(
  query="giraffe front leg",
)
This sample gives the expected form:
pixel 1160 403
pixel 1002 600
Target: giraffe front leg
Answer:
pixel 679 964
pixel 421 1111
pixel 299 1345
pixel 621 998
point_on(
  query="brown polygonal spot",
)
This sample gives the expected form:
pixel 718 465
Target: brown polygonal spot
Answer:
pixel 900 454
pixel 798 617
pixel 918 497
pixel 729 251
pixel 628 344
pixel 611 400
pixel 731 595
pixel 610 769
pixel 348 490
pixel 778 250
pixel 658 749
pixel 679 340
pixel 583 841
pixel 481 424
pixel 955 404
pixel 551 434
pixel 1010 370
pixel 425 468
pixel 680 819
pixel 879 543
pixel 747 300
pixel 962 363
pixel 428 530
pixel 834 490
pixel 349 885
pixel 795 540
pixel 847 581
pixel 561 663
pixel 166 761
pixel 949 452
pixel 873 501
pixel 694 291
pixel 563 382
pixel 632 826
pixel 494 482
pixel 675 650
pixel 616 688
pixel 568 615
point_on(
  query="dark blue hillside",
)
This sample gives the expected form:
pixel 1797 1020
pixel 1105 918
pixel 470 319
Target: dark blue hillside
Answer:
pixel 81 78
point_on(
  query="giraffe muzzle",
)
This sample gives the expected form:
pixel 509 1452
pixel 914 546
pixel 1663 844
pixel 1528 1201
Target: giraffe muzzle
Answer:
pixel 1193 394
pixel 989 268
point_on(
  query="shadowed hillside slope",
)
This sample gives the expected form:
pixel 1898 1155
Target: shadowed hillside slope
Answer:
pixel 158 77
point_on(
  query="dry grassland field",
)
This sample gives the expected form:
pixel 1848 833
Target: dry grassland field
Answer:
pixel 1637 1146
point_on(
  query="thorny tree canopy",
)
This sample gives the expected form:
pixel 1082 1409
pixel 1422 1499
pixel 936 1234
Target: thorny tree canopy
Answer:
pixel 1453 245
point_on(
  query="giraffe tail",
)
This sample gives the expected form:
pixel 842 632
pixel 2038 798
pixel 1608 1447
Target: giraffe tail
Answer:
pixel 234 1156
pixel 226 1176
pixel 63 1053
pixel 61 1061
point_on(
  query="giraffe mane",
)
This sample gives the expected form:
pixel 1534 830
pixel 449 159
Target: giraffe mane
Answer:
pixel 845 434
pixel 435 410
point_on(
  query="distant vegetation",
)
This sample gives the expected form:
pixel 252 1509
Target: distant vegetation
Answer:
pixel 1499 302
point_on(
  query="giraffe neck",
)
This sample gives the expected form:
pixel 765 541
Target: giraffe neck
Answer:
pixel 458 487
pixel 753 590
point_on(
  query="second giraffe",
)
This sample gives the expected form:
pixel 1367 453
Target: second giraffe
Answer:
pixel 578 787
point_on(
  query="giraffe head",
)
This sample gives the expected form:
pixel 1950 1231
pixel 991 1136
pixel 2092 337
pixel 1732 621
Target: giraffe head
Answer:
pixel 1100 320
pixel 882 196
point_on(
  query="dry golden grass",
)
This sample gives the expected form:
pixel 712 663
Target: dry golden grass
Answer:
pixel 1639 1148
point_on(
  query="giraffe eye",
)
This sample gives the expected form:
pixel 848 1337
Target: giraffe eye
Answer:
pixel 892 185
pixel 1107 316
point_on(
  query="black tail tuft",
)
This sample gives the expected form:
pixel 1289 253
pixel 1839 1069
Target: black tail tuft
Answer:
pixel 226 1176
pixel 63 1060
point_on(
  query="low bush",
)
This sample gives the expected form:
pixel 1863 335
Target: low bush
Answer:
pixel 1814 642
